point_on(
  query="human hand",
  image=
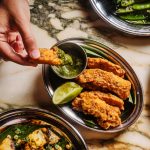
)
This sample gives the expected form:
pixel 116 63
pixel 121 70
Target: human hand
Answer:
pixel 15 32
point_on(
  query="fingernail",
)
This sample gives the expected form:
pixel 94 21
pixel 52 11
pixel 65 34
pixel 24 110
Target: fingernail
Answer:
pixel 35 54
pixel 17 38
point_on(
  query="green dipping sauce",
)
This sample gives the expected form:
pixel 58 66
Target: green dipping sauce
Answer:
pixel 72 65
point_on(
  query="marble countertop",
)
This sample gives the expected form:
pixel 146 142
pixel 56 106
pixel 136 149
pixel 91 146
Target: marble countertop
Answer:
pixel 54 20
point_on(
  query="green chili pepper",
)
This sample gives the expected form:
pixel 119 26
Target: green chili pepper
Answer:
pixel 124 10
pixel 134 11
pixel 125 3
pixel 133 16
pixel 142 22
pixel 141 6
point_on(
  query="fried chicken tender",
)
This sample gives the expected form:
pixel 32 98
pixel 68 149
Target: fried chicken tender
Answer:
pixel 48 56
pixel 97 79
pixel 105 65
pixel 107 97
pixel 107 116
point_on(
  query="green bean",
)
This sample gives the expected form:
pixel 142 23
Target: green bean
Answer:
pixel 125 3
pixel 141 6
pixel 124 10
pixel 134 16
pixel 134 11
pixel 142 22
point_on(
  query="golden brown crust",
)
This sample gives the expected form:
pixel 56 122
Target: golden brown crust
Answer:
pixel 98 78
pixel 107 116
pixel 105 65
pixel 48 56
pixel 27 147
pixel 107 97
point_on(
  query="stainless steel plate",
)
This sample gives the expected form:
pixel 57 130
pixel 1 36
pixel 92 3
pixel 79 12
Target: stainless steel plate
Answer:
pixel 132 110
pixel 105 9
pixel 16 116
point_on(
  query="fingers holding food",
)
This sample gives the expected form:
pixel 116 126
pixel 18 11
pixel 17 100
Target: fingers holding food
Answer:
pixel 47 56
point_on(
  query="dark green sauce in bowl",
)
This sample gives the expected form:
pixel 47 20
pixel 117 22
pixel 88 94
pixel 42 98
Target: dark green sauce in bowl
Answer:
pixel 70 69
pixel 74 60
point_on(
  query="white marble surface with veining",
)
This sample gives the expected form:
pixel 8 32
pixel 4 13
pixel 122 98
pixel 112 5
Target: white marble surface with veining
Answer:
pixel 23 86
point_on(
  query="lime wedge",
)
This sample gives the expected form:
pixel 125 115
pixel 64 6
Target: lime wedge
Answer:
pixel 66 92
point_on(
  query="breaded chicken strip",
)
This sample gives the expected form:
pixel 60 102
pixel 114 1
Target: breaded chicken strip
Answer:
pixel 107 97
pixel 107 116
pixel 48 56
pixel 100 79
pixel 105 65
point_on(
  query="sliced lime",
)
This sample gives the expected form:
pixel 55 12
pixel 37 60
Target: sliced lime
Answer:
pixel 66 92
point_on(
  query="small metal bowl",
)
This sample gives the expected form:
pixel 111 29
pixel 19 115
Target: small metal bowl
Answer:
pixel 74 50
pixel 16 116
pixel 105 9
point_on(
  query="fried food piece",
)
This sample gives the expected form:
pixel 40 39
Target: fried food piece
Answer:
pixel 107 97
pixel 48 56
pixel 100 79
pixel 7 144
pixel 37 139
pixel 27 147
pixel 77 104
pixel 107 116
pixel 106 65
